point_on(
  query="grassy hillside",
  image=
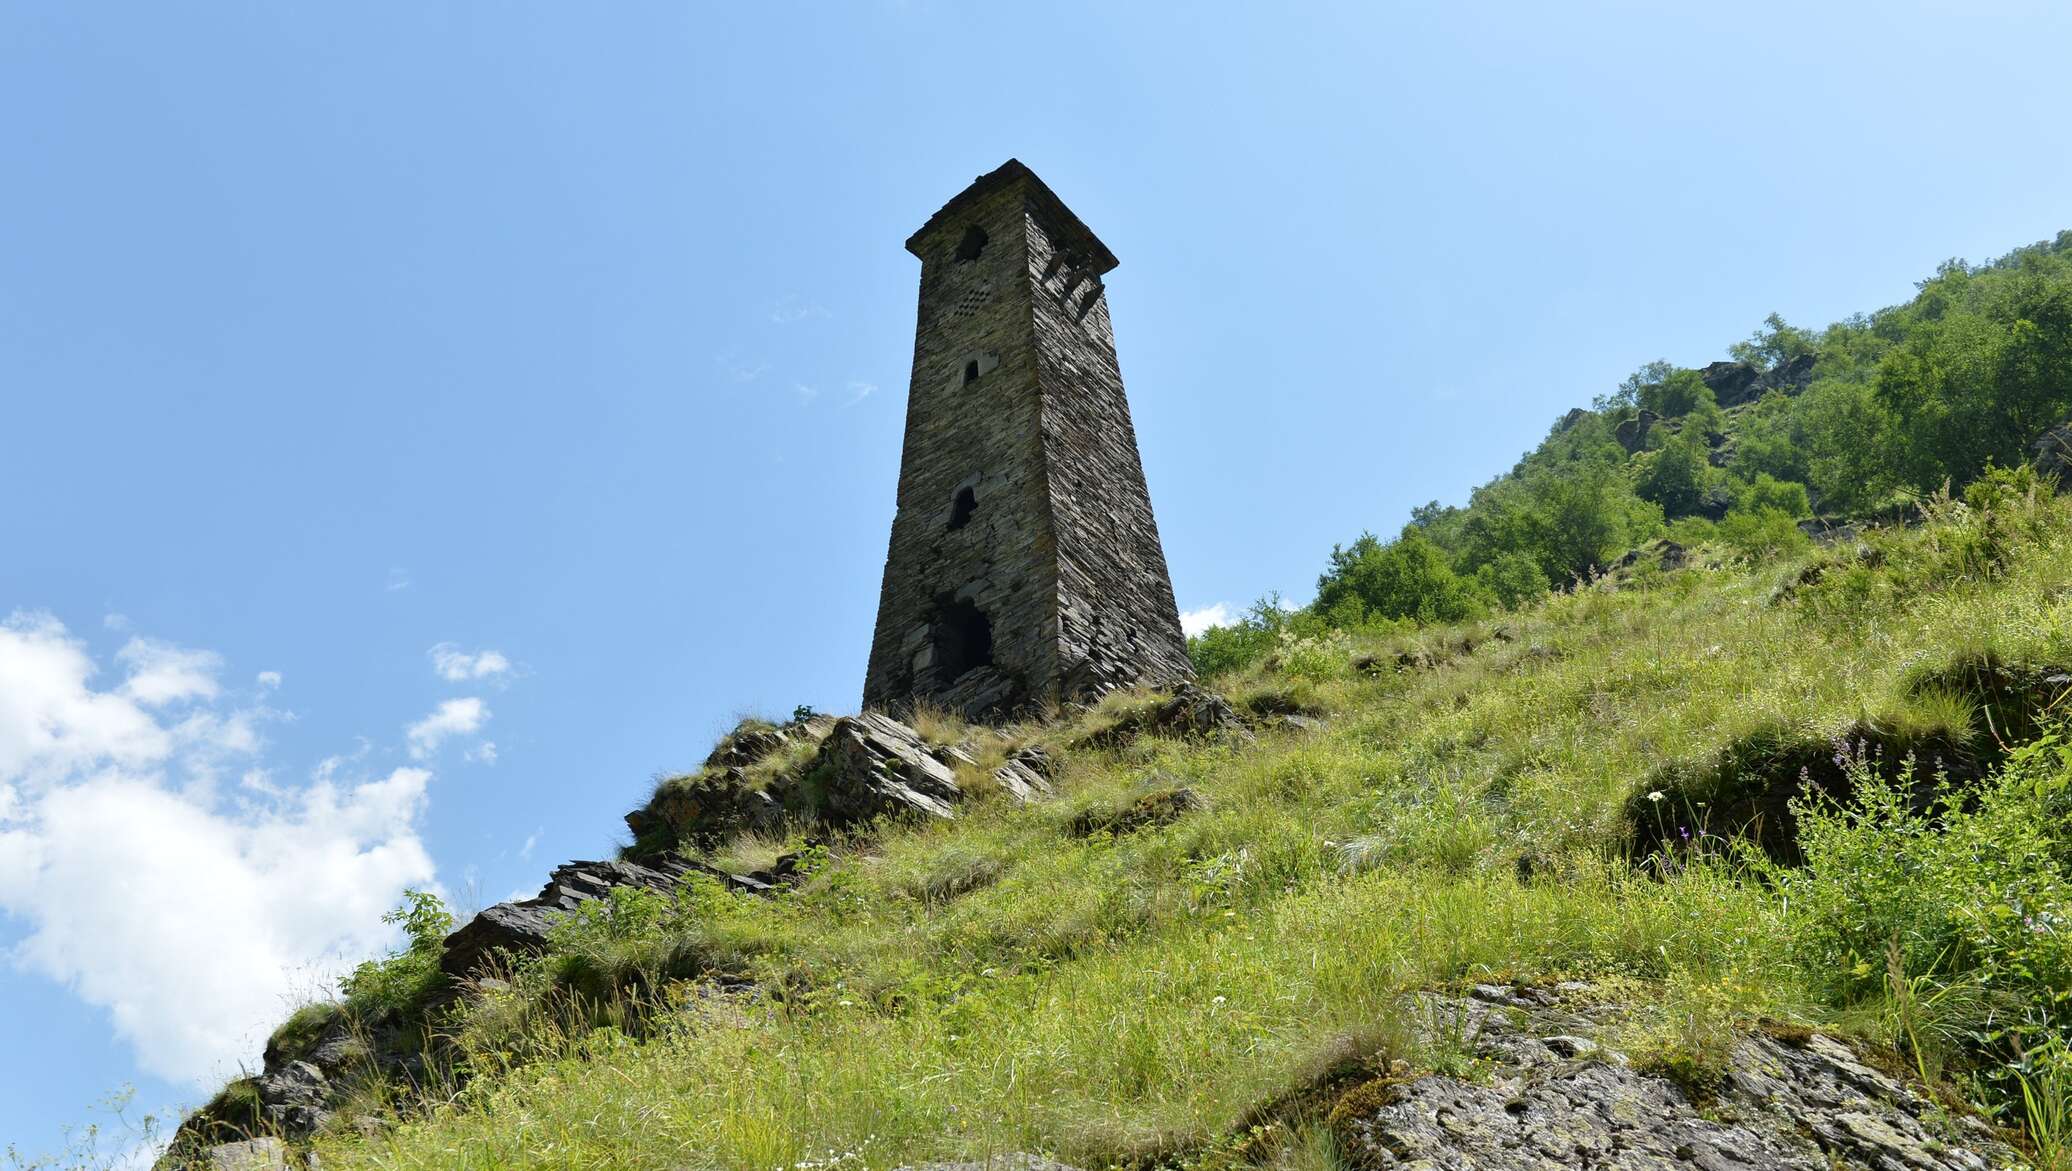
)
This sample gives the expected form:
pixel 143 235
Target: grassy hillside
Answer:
pixel 1856 420
pixel 1617 719
pixel 1124 974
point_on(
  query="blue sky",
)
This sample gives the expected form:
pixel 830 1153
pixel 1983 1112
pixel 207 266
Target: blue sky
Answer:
pixel 421 424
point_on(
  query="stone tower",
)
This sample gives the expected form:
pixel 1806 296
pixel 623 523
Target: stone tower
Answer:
pixel 1025 564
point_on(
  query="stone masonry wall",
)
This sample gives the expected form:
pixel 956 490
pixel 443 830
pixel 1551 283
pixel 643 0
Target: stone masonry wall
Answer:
pixel 1119 625
pixel 983 435
pixel 1022 509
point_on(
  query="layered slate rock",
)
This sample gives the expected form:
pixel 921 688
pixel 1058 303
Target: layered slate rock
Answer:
pixel 1024 565
pixel 1558 1094
pixel 1026 775
pixel 704 810
pixel 873 766
pixel 522 927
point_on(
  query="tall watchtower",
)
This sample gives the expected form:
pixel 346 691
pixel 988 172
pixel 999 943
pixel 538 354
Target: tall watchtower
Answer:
pixel 1025 564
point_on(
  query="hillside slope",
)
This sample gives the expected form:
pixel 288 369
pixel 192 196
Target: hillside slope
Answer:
pixel 1223 925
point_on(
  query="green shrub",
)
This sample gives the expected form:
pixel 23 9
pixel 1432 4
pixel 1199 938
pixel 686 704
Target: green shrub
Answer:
pixel 1675 476
pixel 1763 534
pixel 403 980
pixel 1406 578
pixel 1952 922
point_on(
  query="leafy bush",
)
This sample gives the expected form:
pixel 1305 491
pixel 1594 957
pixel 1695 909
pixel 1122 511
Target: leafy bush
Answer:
pixel 1675 476
pixel 1221 650
pixel 1952 922
pixel 1676 394
pixel 1406 578
pixel 1763 533
pixel 404 979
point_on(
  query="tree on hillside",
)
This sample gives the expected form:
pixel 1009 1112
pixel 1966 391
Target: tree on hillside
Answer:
pixel 1675 475
pixel 1406 578
pixel 1774 344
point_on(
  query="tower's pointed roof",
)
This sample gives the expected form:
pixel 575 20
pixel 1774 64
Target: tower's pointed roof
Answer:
pixel 1036 192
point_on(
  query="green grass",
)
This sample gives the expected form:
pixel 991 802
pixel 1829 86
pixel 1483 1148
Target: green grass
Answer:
pixel 1054 978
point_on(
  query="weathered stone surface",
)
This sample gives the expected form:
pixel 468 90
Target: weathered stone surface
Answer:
pixel 872 766
pixel 1632 433
pixel 1162 806
pixel 1026 775
pixel 1195 711
pixel 1558 1095
pixel 1732 383
pixel 706 809
pixel 2053 453
pixel 753 741
pixel 522 927
pixel 1024 564
pixel 259 1154
pixel 297 1097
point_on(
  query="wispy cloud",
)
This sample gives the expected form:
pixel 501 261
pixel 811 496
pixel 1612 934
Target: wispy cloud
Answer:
pixel 806 393
pixel 453 717
pixel 1193 622
pixel 457 666
pixel 859 391
pixel 792 308
pixel 398 579
pixel 738 369
pixel 161 673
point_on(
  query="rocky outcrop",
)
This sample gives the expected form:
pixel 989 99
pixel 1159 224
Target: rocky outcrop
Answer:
pixel 1632 433
pixel 1195 711
pixel 259 1154
pixel 1159 807
pixel 753 741
pixel 521 928
pixel 1557 1093
pixel 1734 383
pixel 2054 454
pixel 1190 712
pixel 1026 775
pixel 703 810
pixel 873 766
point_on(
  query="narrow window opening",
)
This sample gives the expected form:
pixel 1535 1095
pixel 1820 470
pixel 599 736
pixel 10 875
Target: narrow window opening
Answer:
pixel 974 242
pixel 971 372
pixel 963 640
pixel 962 507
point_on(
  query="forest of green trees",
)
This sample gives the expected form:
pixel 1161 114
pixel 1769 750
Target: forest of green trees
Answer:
pixel 1847 423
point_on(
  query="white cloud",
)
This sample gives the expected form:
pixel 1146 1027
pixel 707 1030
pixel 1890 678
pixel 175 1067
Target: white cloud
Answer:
pixel 269 679
pixel 532 839
pixel 859 391
pixel 483 753
pixel 454 717
pixel 188 914
pixel 806 393
pixel 161 673
pixel 398 579
pixel 1196 621
pixel 458 666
